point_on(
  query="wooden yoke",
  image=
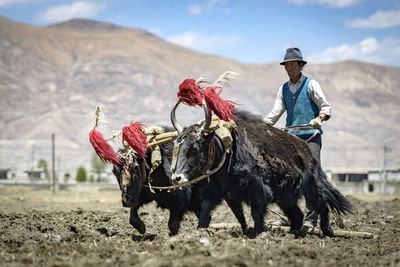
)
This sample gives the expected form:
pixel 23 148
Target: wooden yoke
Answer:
pixel 162 138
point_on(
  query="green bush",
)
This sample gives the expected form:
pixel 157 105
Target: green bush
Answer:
pixel 81 175
pixel 91 178
pixel 43 164
pixel 103 180
pixel 98 166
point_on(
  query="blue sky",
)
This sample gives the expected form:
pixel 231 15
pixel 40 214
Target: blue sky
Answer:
pixel 244 30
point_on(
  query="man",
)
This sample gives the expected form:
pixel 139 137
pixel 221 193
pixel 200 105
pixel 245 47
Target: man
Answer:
pixel 305 103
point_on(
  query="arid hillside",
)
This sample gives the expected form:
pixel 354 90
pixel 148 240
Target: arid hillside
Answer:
pixel 51 79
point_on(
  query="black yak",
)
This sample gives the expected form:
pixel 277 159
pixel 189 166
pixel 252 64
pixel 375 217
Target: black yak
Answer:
pixel 264 165
pixel 132 167
pixel 136 190
pixel 136 193
pixel 136 171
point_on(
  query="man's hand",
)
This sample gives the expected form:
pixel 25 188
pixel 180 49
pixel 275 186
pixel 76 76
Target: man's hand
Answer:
pixel 316 123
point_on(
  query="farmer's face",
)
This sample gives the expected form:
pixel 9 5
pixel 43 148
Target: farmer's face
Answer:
pixel 293 70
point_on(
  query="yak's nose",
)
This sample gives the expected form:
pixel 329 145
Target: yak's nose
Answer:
pixel 179 178
pixel 126 198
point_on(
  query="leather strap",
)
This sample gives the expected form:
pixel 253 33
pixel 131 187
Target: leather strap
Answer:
pixel 175 153
pixel 211 157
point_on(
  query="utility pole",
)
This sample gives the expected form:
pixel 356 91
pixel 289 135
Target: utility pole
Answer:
pixel 384 173
pixel 33 158
pixel 53 159
pixel 31 176
pixel 58 172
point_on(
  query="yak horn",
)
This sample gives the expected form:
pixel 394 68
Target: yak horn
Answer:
pixel 176 125
pixel 207 114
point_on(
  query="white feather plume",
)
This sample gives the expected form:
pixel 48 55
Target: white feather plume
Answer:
pixel 201 79
pixel 99 116
pixel 226 78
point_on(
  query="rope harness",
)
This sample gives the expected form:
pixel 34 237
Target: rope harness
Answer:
pixel 222 130
pixel 206 172
pixel 196 180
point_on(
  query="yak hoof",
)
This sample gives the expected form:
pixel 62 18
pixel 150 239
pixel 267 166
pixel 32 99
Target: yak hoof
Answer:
pixel 251 233
pixel 245 230
pixel 328 231
pixel 258 230
pixel 202 226
pixel 173 228
pixel 299 233
pixel 139 225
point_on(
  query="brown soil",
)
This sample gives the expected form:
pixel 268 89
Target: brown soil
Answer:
pixel 91 228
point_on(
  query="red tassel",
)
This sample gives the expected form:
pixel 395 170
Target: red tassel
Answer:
pixel 135 137
pixel 103 149
pixel 190 93
pixel 223 109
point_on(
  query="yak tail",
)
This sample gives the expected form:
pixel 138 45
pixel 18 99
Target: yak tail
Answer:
pixel 336 201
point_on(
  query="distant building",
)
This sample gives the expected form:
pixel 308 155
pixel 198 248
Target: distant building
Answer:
pixel 5 174
pixel 18 174
pixel 36 174
pixel 365 180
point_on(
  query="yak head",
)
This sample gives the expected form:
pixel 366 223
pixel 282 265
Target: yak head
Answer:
pixel 130 174
pixel 190 154
pixel 194 149
pixel 191 149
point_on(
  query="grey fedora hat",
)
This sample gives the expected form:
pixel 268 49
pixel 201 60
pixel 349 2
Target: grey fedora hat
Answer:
pixel 293 54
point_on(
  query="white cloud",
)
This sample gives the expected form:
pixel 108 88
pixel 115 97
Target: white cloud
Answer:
pixel 211 4
pixel 206 43
pixel 10 2
pixel 331 3
pixel 79 9
pixel 386 51
pixel 380 19
pixel 195 10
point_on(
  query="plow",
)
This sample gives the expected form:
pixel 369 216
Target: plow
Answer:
pixel 313 231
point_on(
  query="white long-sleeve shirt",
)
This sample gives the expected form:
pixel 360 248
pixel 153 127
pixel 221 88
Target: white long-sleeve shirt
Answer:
pixel 314 92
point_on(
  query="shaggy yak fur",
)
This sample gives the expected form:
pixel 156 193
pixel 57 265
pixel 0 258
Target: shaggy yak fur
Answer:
pixel 266 165
pixel 136 195
pixel 176 201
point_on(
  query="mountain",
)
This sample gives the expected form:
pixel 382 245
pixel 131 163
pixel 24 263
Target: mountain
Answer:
pixel 51 79
pixel 85 24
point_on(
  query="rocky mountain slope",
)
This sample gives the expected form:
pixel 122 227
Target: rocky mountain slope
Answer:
pixel 51 79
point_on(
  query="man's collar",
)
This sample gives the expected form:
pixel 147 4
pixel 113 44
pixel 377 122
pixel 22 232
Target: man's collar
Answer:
pixel 302 77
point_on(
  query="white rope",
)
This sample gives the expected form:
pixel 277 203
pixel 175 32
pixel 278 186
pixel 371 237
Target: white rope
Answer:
pixel 221 163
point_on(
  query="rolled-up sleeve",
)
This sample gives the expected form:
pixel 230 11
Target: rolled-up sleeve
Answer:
pixel 278 109
pixel 316 94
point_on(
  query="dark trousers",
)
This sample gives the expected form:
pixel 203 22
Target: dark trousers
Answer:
pixel 315 145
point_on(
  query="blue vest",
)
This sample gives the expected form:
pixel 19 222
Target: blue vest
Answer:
pixel 300 109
